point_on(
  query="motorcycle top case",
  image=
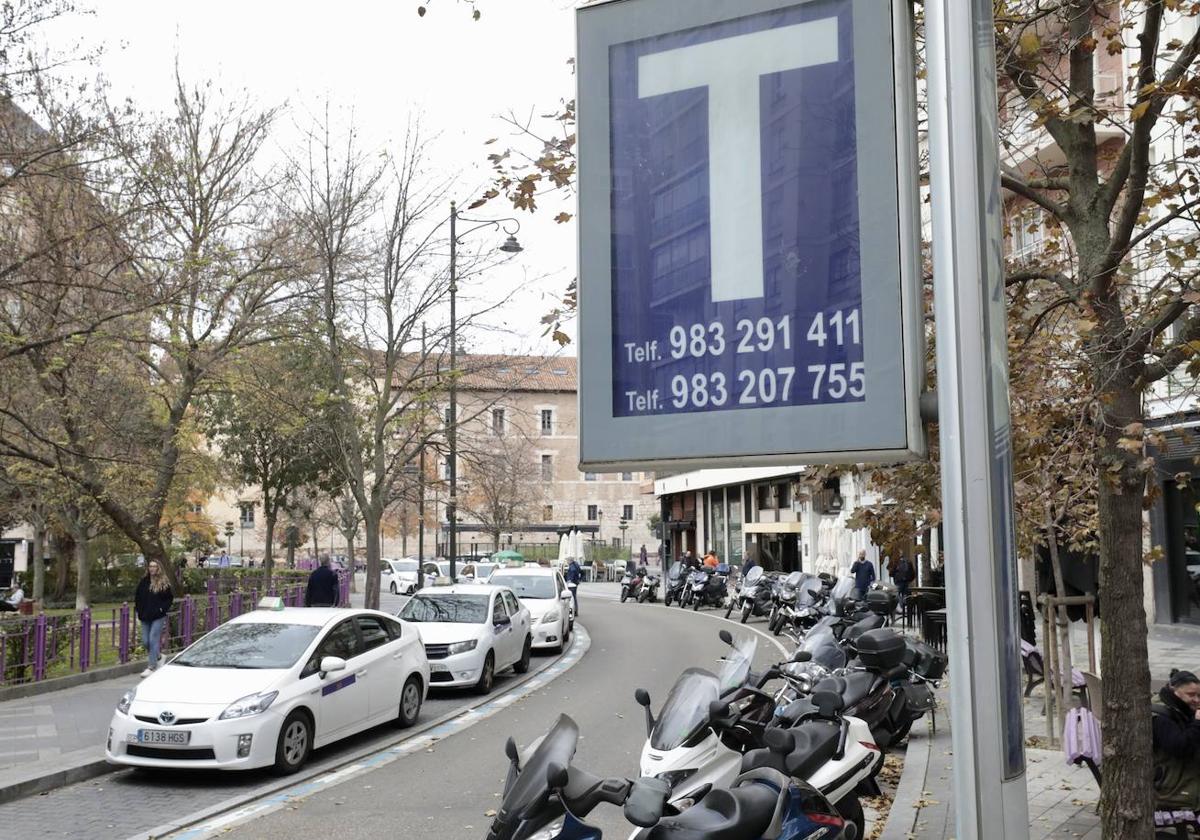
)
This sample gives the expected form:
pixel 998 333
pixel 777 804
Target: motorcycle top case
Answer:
pixel 881 649
pixel 882 601
pixel 924 660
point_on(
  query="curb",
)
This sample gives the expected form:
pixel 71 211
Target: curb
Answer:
pixel 54 779
pixel 350 764
pixel 905 809
pixel 19 692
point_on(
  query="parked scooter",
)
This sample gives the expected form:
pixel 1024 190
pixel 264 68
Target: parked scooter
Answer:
pixel 546 792
pixel 709 722
pixel 676 582
pixel 709 587
pixel 755 596
pixel 648 591
pixel 632 583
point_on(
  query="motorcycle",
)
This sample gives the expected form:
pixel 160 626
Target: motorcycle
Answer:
pixel 676 582
pixel 648 591
pixel 711 724
pixel 546 793
pixel 755 595
pixel 709 587
pixel 798 603
pixel 631 583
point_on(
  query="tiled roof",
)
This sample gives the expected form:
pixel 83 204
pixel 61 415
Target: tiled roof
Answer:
pixel 496 372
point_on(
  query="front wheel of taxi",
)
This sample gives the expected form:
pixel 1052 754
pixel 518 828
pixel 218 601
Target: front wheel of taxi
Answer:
pixel 294 745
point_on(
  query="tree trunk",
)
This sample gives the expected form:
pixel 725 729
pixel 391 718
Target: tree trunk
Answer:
pixel 83 574
pixel 371 521
pixel 316 543
pixel 268 551
pixel 1127 792
pixel 38 560
pixel 62 567
pixel 1065 682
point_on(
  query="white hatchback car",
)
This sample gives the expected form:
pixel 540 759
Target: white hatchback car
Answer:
pixel 471 632
pixel 270 686
pixel 544 592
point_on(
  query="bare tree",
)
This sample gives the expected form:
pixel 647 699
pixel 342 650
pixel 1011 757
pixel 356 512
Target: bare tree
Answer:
pixel 503 483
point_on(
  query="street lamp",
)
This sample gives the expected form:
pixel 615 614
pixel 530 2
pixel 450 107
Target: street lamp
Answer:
pixel 623 525
pixel 510 246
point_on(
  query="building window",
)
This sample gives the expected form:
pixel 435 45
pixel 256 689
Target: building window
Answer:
pixel 547 468
pixel 247 515
pixel 627 513
pixel 498 421
pixel 589 476
pixel 547 421
pixel 628 476
pixel 547 513
pixel 593 513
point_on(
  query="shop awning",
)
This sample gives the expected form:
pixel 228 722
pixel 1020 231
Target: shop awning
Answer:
pixel 771 527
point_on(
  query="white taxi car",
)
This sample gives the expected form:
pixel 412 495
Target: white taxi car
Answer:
pixel 268 687
pixel 544 592
pixel 471 632
pixel 399 576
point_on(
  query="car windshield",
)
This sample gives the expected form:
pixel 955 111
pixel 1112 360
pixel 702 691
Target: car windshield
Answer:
pixel 526 586
pixel 456 609
pixel 250 645
pixel 404 565
pixel 686 709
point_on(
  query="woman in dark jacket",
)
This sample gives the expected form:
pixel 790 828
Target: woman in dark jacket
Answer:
pixel 152 601
pixel 1177 742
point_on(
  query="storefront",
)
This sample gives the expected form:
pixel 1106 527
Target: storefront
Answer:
pixel 1175 526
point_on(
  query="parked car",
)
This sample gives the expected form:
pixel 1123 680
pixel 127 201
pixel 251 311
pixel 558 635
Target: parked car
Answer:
pixel 268 687
pixel 479 572
pixel 544 593
pixel 399 576
pixel 471 633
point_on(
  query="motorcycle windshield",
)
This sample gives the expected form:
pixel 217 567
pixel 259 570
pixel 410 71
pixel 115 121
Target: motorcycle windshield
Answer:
pixel 842 588
pixel 736 667
pixel 824 649
pixel 809 593
pixel 532 787
pixel 677 571
pixel 793 580
pixel 753 576
pixel 686 709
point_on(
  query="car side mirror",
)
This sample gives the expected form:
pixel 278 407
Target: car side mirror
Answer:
pixel 565 595
pixel 330 664
pixel 503 621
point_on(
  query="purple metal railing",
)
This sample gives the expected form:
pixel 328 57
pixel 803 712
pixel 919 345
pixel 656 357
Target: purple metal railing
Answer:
pixel 31 649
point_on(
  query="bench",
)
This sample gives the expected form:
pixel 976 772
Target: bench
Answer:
pixel 1082 745
pixel 1035 673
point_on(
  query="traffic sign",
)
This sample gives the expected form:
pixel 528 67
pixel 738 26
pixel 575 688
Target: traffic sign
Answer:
pixel 748 217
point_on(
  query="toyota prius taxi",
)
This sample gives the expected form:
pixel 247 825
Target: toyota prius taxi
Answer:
pixel 269 687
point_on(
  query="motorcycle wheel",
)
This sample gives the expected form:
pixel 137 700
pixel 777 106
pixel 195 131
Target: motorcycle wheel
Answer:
pixel 851 810
pixel 746 612
pixel 624 593
pixel 642 596
pixel 696 604
pixel 729 609
pixel 777 625
pixel 902 732
pixel 667 598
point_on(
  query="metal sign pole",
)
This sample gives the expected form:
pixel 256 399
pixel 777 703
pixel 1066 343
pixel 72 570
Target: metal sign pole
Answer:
pixel 976 451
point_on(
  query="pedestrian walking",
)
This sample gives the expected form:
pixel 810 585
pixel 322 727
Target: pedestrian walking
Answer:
pixel 864 573
pixel 322 589
pixel 902 576
pixel 152 602
pixel 574 577
pixel 642 555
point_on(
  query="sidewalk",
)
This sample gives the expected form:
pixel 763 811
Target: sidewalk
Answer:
pixel 1062 797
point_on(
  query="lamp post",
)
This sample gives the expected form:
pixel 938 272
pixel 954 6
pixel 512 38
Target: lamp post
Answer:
pixel 510 246
pixel 623 526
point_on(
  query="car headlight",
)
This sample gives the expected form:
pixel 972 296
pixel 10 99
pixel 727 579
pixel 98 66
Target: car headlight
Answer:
pixel 463 647
pixel 251 704
pixel 126 701
pixel 551 617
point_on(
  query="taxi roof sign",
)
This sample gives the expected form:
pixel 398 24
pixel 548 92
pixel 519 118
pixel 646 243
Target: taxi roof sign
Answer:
pixel 271 603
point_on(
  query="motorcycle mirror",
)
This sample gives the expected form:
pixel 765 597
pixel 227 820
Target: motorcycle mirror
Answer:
pixel 780 741
pixel 642 696
pixel 556 776
pixel 726 637
pixel 802 656
pixel 510 750
pixel 717 709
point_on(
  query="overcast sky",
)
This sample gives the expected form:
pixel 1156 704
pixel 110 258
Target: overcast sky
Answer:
pixel 384 62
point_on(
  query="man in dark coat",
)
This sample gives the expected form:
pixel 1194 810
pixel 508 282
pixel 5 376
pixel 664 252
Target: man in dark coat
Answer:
pixel 322 588
pixel 864 573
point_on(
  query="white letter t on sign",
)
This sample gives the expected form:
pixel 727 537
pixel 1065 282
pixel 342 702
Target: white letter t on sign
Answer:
pixel 730 68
